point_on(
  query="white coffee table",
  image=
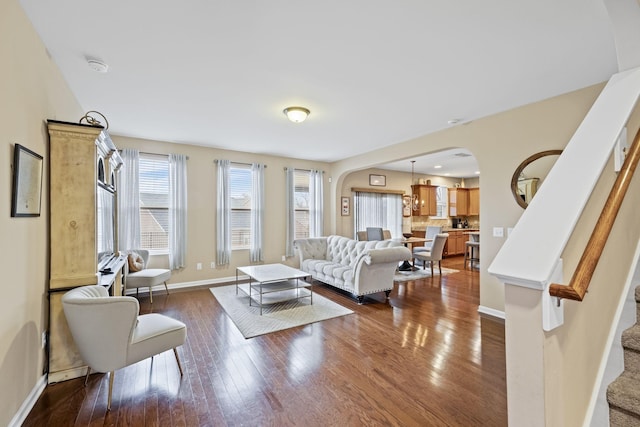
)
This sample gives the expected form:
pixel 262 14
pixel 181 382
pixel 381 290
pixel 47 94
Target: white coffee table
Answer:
pixel 274 283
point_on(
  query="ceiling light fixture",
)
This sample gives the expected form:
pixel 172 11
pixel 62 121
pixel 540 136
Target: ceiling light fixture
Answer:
pixel 97 65
pixel 296 114
pixel 437 167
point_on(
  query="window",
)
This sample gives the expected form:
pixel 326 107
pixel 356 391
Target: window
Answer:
pixel 441 202
pixel 240 183
pixel 154 201
pixel 378 210
pixel 301 204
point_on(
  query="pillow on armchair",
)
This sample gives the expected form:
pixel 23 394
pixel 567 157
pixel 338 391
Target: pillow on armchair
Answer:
pixel 136 263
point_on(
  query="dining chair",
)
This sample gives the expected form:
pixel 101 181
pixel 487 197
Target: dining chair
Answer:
pixel 430 233
pixel 435 254
pixel 375 233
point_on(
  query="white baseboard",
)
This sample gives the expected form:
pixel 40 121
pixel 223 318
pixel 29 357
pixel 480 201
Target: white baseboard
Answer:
pixel 29 402
pixel 491 312
pixel 184 285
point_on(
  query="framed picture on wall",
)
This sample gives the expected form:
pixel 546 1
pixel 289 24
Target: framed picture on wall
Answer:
pixel 27 182
pixel 377 180
pixel 345 206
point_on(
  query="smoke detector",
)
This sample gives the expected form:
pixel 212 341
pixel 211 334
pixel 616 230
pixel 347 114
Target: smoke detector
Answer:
pixel 97 65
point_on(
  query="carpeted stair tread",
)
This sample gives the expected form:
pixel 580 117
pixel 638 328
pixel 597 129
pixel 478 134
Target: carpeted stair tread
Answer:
pixel 624 393
pixel 631 338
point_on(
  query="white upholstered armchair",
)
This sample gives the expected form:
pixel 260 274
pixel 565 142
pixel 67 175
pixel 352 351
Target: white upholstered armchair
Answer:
pixel 145 277
pixel 110 334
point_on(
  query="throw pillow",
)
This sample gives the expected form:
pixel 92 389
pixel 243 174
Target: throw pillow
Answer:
pixel 136 263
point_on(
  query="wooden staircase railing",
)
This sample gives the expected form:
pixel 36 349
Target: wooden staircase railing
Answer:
pixel 579 284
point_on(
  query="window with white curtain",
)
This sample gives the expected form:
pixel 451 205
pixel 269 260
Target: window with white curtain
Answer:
pixel 240 183
pixel 301 203
pixel 378 210
pixel 154 201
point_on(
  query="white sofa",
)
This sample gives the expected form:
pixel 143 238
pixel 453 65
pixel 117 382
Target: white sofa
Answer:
pixel 359 267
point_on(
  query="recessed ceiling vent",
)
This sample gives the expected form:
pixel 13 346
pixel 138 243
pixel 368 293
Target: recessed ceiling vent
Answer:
pixel 462 155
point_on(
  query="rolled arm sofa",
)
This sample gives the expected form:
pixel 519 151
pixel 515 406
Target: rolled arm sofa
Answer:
pixel 358 267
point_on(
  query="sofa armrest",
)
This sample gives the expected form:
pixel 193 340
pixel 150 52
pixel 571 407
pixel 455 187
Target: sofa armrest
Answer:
pixel 311 248
pixel 384 255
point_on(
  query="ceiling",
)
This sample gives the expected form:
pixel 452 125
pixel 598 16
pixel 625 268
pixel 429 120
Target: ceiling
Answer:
pixel 373 73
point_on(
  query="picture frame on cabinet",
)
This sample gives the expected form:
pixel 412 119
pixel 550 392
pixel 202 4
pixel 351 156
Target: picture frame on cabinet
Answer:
pixel 27 182
pixel 345 206
pixel 377 180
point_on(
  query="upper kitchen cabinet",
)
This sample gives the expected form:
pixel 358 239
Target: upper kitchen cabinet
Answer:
pixel 458 201
pixel 427 198
pixel 474 201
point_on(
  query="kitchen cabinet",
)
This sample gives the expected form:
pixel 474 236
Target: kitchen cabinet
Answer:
pixel 426 200
pixel 455 243
pixel 474 201
pixel 458 201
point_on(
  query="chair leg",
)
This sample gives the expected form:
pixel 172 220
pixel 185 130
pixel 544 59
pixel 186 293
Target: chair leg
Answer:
pixel 166 287
pixel 151 294
pixel 466 254
pixel 86 378
pixel 440 267
pixel 111 375
pixel 178 360
pixel 431 262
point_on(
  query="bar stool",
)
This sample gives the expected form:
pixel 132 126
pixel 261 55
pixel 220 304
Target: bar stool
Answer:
pixel 471 253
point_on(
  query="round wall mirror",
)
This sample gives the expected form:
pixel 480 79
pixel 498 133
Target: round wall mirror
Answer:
pixel 529 175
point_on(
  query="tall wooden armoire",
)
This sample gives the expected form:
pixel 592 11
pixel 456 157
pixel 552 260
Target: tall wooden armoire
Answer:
pixel 83 168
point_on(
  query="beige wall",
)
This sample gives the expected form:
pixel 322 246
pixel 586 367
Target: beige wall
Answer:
pixel 398 181
pixel 201 181
pixel 32 91
pixel 499 143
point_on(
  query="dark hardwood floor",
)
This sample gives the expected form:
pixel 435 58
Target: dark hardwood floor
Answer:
pixel 425 358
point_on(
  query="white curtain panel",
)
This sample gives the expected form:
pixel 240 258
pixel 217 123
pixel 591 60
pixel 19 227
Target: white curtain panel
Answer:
pixel 177 210
pixel 290 210
pixel 257 212
pixel 378 210
pixel 129 202
pixel 223 214
pixel 316 204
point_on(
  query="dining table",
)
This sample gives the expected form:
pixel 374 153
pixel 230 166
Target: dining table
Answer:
pixel 409 242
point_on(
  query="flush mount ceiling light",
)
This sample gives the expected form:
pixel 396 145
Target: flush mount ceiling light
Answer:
pixel 296 114
pixel 97 65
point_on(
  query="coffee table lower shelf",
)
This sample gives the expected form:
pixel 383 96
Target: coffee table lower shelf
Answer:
pixel 276 292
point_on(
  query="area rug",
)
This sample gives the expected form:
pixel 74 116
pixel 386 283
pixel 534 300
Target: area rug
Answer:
pixel 403 276
pixel 275 317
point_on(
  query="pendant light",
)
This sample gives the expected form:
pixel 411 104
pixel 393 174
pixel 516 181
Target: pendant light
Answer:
pixel 415 203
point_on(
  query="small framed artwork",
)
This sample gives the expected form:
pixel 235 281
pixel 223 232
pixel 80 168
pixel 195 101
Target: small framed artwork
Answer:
pixel 377 180
pixel 27 182
pixel 345 206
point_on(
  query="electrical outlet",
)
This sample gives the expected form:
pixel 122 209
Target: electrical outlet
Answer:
pixel 498 232
pixel 44 339
pixel 213 264
pixel 284 257
pixel 199 266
